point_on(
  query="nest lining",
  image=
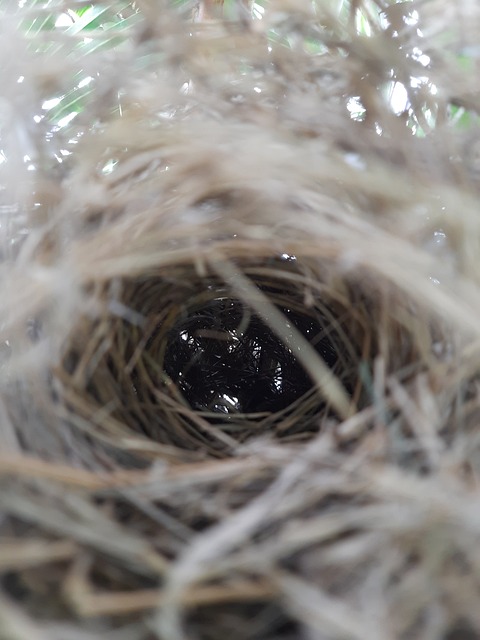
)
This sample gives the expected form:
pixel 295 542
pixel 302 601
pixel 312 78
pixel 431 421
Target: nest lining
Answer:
pixel 190 364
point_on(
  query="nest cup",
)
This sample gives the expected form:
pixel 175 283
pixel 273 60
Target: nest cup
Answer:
pixel 183 358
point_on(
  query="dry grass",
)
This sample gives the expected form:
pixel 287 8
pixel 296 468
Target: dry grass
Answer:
pixel 216 190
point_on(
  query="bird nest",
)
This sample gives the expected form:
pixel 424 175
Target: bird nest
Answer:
pixel 239 336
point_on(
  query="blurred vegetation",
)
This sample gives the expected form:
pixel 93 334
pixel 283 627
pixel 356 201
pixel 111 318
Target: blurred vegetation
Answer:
pixel 108 26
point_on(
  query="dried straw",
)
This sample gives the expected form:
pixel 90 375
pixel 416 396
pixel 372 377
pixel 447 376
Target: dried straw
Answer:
pixel 239 330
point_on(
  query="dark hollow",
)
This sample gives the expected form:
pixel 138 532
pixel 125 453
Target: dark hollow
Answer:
pixel 226 360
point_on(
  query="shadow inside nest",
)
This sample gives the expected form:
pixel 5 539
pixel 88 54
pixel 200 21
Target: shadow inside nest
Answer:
pixel 226 360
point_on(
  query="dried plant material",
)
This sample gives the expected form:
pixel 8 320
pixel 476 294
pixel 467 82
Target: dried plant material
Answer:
pixel 239 335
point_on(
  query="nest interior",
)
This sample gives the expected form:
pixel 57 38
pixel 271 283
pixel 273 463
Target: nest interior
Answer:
pixel 193 365
pixel 239 330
